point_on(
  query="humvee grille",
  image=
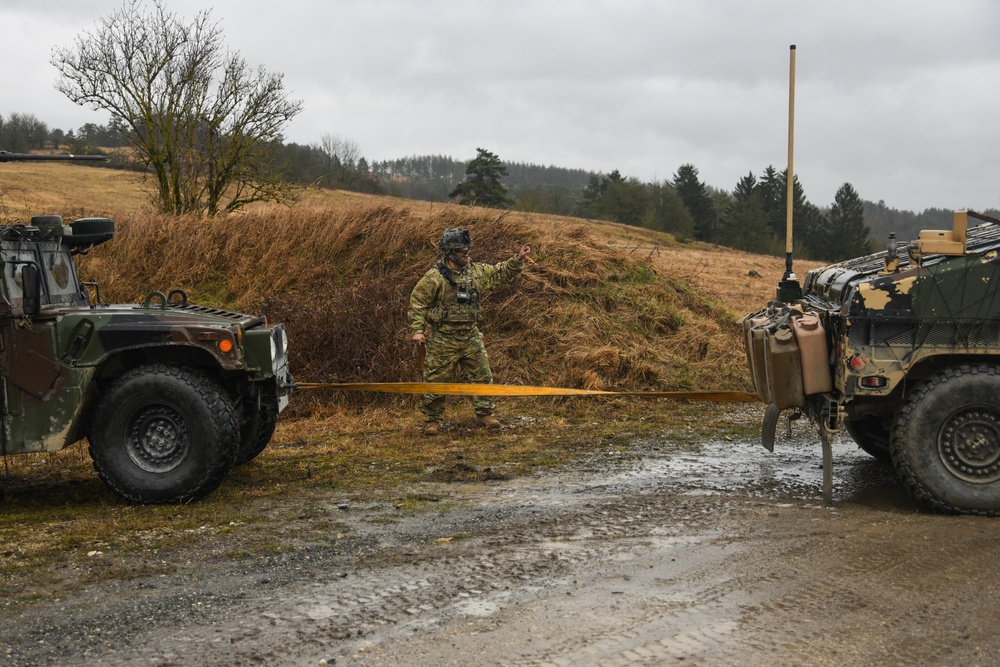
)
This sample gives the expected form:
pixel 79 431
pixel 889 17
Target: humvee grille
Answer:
pixel 939 334
pixel 246 320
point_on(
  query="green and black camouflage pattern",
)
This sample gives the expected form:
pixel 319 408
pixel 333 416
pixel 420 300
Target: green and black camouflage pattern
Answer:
pixel 57 361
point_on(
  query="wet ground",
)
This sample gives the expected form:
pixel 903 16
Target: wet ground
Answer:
pixel 652 554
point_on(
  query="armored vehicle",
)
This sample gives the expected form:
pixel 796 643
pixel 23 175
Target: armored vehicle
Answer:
pixel 170 395
pixel 902 349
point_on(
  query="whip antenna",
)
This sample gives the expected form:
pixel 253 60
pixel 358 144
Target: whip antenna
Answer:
pixel 788 288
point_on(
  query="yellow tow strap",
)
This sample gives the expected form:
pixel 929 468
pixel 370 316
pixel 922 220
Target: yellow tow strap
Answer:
pixel 462 389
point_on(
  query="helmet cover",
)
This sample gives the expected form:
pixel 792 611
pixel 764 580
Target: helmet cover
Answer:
pixel 454 238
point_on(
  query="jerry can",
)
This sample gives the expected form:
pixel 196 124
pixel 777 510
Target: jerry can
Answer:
pixel 757 351
pixel 814 352
pixel 784 369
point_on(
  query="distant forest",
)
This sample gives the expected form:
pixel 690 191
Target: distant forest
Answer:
pixel 749 217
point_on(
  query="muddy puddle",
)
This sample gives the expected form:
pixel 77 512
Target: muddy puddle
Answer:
pixel 793 472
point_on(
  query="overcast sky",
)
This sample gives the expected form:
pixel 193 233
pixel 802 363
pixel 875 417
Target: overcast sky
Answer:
pixel 897 97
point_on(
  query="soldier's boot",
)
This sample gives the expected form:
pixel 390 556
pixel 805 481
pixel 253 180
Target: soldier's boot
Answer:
pixel 431 428
pixel 489 421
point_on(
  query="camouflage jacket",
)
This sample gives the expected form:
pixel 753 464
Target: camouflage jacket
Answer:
pixel 454 309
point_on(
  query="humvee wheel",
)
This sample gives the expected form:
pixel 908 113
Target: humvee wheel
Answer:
pixel 871 434
pixel 946 444
pixel 256 433
pixel 164 434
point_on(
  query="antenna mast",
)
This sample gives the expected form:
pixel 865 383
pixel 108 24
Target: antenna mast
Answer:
pixel 789 288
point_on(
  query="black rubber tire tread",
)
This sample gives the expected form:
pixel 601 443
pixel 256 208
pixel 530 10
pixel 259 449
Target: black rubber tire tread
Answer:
pixel 87 231
pixel 914 439
pixel 256 434
pixel 93 226
pixel 208 413
pixel 871 435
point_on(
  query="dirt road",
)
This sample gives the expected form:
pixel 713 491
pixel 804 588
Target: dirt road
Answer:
pixel 655 554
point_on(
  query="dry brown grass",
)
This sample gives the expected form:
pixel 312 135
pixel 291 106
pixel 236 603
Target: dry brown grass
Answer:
pixel 71 190
pixel 604 306
pixel 588 313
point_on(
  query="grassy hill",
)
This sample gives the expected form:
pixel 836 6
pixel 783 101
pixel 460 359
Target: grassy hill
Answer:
pixel 604 306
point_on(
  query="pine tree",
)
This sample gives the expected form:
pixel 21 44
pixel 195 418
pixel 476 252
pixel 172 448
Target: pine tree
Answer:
pixel 744 225
pixel 669 212
pixel 849 235
pixel 482 185
pixel 810 226
pixel 695 196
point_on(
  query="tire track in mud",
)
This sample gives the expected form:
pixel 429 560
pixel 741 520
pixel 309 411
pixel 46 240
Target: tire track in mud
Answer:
pixel 871 585
pixel 763 602
pixel 478 578
pixel 635 564
pixel 609 539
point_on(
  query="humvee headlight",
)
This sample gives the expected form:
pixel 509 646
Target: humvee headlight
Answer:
pixel 274 347
pixel 226 345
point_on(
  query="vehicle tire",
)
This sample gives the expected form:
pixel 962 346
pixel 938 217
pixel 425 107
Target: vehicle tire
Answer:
pixel 872 435
pixel 89 231
pixel 946 441
pixel 164 434
pixel 256 433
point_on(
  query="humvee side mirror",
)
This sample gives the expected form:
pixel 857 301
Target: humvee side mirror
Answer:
pixel 31 289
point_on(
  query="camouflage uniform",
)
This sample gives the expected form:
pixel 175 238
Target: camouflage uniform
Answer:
pixel 447 315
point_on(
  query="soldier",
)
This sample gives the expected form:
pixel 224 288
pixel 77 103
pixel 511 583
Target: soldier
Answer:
pixel 444 311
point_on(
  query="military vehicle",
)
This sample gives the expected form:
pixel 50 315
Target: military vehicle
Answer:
pixel 170 395
pixel 902 349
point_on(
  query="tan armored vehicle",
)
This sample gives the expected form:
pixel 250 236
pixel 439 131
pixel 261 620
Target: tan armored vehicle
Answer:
pixel 902 349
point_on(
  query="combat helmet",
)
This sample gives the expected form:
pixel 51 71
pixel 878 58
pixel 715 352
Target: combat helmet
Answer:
pixel 454 238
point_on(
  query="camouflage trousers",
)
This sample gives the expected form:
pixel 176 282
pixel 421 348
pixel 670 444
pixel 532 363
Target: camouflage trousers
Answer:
pixel 450 359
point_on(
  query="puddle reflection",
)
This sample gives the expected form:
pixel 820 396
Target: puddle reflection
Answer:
pixel 794 471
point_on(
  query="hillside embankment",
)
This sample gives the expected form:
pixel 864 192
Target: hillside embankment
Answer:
pixel 604 306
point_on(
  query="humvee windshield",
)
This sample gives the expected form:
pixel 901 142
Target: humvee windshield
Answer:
pixel 59 286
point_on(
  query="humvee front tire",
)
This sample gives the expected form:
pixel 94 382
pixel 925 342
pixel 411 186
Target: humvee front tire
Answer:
pixel 164 434
pixel 946 442
pixel 256 433
pixel 871 434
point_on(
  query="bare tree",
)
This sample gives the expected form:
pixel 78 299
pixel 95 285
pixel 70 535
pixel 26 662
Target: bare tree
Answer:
pixel 200 119
pixel 335 148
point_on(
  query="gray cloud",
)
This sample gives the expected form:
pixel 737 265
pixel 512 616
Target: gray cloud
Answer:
pixel 892 96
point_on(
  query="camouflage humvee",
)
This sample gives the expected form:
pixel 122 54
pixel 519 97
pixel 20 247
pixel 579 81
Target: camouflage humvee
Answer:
pixel 170 395
pixel 902 348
